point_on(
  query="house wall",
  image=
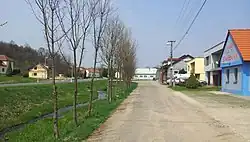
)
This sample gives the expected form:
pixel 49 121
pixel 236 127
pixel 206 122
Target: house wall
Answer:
pixel 198 67
pixel 5 68
pixel 231 86
pixel 178 66
pixel 246 78
pixel 39 74
pixel 213 58
pixel 144 76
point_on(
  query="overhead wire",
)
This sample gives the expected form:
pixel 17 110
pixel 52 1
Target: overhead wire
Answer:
pixel 190 26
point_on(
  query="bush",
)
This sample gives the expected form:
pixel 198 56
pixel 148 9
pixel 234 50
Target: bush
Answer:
pixel 9 70
pixel 16 71
pixel 192 82
pixel 26 74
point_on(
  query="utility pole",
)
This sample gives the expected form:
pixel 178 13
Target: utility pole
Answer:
pixel 171 60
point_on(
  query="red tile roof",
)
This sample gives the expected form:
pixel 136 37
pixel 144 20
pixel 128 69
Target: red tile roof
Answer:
pixel 5 58
pixel 241 38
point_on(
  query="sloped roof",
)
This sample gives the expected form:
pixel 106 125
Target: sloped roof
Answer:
pixel 5 58
pixel 241 38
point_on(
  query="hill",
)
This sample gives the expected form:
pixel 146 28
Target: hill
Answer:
pixel 26 57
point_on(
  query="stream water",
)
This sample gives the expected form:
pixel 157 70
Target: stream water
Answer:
pixel 61 111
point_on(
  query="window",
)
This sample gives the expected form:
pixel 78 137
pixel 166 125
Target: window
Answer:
pixel 35 68
pixel 136 76
pixel 207 62
pixel 145 76
pixel 34 74
pixel 151 76
pixel 141 76
pixel 3 69
pixel 227 76
pixel 235 75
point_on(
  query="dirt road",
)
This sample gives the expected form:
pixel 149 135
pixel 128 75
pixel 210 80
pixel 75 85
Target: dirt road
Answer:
pixel 153 113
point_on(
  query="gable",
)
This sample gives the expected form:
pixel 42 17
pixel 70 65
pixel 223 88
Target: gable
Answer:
pixel 231 55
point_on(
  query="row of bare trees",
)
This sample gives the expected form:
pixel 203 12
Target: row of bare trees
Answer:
pixel 71 23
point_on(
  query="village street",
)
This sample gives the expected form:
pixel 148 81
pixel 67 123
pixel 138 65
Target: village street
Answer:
pixel 154 113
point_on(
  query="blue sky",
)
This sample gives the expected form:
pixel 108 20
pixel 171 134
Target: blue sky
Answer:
pixel 153 23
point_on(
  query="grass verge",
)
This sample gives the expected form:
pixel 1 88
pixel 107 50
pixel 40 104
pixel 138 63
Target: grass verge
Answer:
pixel 204 88
pixel 22 103
pixel 42 130
pixel 15 79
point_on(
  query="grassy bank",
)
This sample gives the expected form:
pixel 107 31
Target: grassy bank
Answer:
pixel 22 103
pixel 42 130
pixel 15 79
pixel 204 88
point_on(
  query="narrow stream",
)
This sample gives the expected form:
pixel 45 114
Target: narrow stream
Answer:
pixel 61 111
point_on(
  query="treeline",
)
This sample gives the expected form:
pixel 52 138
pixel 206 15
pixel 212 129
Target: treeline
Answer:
pixel 25 57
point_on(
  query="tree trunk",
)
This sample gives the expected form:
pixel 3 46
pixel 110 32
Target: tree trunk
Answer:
pixel 108 88
pixel 76 90
pixel 55 116
pixel 92 86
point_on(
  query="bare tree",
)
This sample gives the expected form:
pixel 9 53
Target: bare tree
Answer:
pixel 69 17
pixel 127 58
pixel 101 12
pixel 45 12
pixel 109 47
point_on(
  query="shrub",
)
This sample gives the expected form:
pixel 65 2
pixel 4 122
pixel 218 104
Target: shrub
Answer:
pixel 9 70
pixel 26 74
pixel 16 71
pixel 192 82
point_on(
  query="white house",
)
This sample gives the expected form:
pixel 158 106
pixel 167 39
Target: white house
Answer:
pixel 145 74
pixel 212 67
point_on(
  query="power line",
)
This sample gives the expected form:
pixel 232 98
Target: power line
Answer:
pixel 190 26
pixel 183 6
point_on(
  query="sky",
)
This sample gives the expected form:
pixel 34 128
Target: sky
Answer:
pixel 152 22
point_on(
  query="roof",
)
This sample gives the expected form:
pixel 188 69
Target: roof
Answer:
pixel 222 42
pixel 91 70
pixel 241 38
pixel 5 58
pixel 182 58
pixel 42 65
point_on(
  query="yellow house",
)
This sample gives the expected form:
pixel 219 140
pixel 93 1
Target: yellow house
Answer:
pixel 196 66
pixel 39 71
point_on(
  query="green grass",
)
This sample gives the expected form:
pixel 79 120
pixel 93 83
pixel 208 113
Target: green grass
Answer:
pixel 22 103
pixel 15 79
pixel 42 130
pixel 224 99
pixel 204 88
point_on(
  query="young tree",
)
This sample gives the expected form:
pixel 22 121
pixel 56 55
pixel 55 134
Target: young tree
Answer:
pixel 69 17
pixel 45 12
pixel 99 16
pixel 109 45
pixel 128 58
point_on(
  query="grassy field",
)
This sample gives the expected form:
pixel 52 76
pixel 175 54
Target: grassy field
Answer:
pixel 42 130
pixel 15 79
pixel 22 103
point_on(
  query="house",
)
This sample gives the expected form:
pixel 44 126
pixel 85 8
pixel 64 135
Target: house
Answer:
pixel 39 71
pixel 5 61
pixel 212 66
pixel 145 74
pixel 178 64
pixel 196 67
pixel 235 62
pixel 90 72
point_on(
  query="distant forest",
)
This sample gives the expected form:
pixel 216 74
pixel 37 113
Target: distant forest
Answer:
pixel 26 57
